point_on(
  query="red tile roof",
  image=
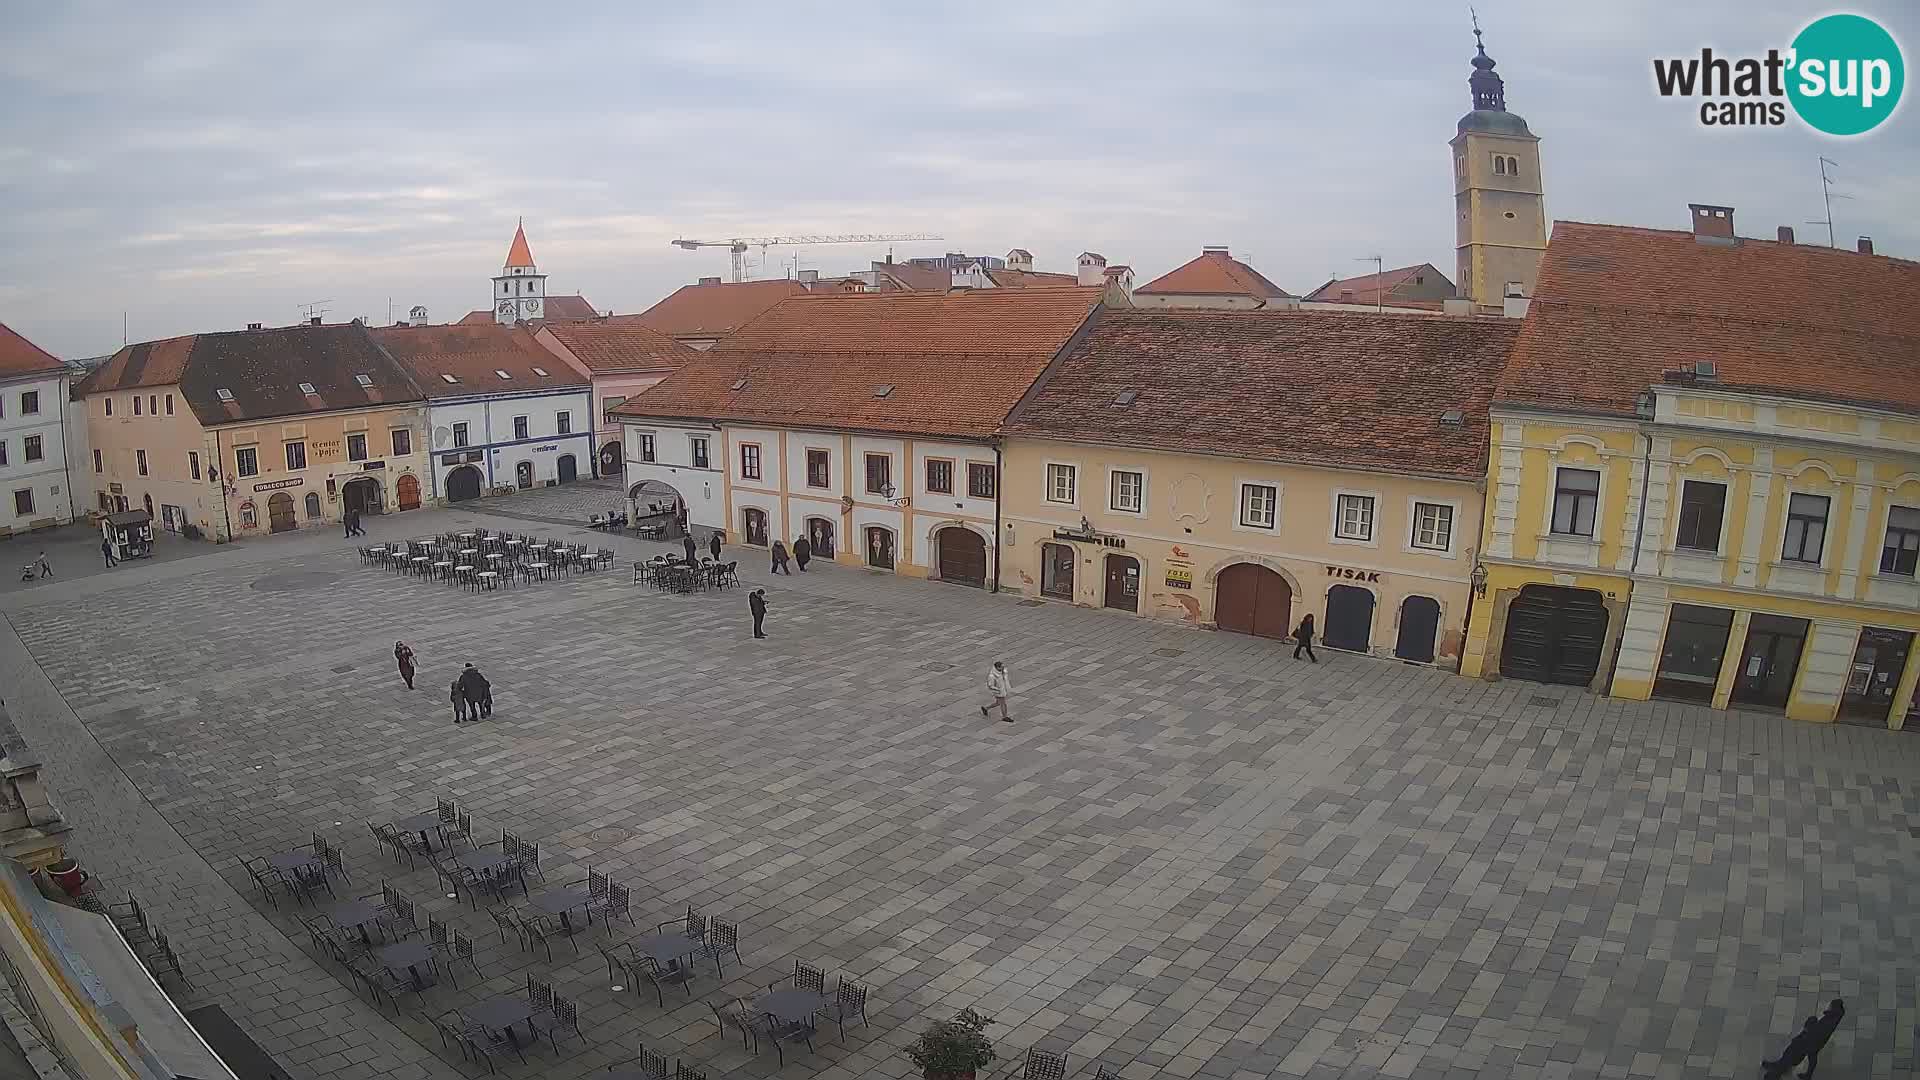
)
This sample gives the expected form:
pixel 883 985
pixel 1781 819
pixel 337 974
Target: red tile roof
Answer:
pixel 1617 306
pixel 1370 288
pixel 475 355
pixel 262 370
pixel 1026 279
pixel 956 362
pixel 622 344
pixel 1332 388
pixel 556 309
pixel 1214 273
pixel 519 255
pixel 18 356
pixel 718 309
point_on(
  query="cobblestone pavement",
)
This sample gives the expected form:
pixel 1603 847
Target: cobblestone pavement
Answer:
pixel 1190 855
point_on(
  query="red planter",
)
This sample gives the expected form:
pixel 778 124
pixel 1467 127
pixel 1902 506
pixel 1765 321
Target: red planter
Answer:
pixel 67 874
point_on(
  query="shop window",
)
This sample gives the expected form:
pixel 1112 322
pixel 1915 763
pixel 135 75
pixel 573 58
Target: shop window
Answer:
pixel 1690 658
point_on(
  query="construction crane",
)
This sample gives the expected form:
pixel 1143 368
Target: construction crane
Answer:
pixel 738 245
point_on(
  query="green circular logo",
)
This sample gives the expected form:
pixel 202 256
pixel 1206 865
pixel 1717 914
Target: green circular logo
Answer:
pixel 1847 74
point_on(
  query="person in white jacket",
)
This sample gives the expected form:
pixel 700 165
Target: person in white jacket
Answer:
pixel 1000 686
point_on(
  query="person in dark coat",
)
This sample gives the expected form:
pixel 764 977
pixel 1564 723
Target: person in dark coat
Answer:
pixel 459 697
pixel 1803 1045
pixel 478 691
pixel 1829 1022
pixel 693 553
pixel 780 558
pixel 802 553
pixel 346 519
pixel 757 602
pixel 713 546
pixel 403 656
pixel 106 548
pixel 1303 638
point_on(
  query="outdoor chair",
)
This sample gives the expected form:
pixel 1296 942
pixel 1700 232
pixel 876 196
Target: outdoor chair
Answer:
pixel 596 883
pixel 131 920
pixel 649 969
pixel 447 811
pixel 734 1016
pixel 722 937
pixel 693 924
pixel 849 1000
pixel 452 879
pixel 808 977
pixel 1044 1065
pixel 684 1071
pixel 453 1031
pixel 262 876
pixel 332 864
pixel 306 881
pixel 485 1043
pixel 393 985
pixel 463 953
pixel 563 1015
pixel 617 903
pixel 398 921
pixel 539 994
pixel 1104 1073
pixel 528 859
pixel 504 922
pixel 539 930
pixel 652 1066
pixel 462 829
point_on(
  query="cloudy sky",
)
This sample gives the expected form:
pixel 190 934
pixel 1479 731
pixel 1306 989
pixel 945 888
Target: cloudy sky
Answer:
pixel 198 167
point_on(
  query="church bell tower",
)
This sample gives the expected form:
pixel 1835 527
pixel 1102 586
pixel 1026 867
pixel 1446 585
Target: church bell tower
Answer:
pixel 520 289
pixel 1498 194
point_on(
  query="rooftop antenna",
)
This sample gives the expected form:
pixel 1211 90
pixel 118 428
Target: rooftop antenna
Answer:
pixel 315 309
pixel 1379 300
pixel 1827 195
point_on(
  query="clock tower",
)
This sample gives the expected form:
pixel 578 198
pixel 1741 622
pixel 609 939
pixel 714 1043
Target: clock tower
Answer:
pixel 520 289
pixel 1498 194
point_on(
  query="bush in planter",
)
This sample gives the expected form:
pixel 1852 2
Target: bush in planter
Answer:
pixel 953 1048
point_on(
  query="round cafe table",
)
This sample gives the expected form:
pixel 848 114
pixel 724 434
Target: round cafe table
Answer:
pixel 539 568
pixel 443 568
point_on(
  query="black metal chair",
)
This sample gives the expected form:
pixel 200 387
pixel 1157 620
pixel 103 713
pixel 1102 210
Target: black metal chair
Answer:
pixel 1044 1065
pixel 651 1065
pixel 849 1000
pixel 808 977
pixel 539 931
pixel 562 1016
pixel 684 1071
pixel 722 937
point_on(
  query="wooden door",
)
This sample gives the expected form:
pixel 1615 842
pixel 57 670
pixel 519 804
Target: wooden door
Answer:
pixel 569 469
pixel 880 548
pixel 820 535
pixel 1123 582
pixel 280 513
pixel 1349 619
pixel 755 521
pixel 408 487
pixel 1554 635
pixel 963 557
pixel 1419 624
pixel 1252 599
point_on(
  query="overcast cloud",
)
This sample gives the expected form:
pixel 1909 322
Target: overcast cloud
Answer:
pixel 203 166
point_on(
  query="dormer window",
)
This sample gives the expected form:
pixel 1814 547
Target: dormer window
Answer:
pixel 501 373
pixel 540 371
pixel 363 380
pixel 739 384
pixel 307 388
pixel 448 378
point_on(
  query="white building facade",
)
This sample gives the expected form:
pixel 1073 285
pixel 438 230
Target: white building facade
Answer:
pixel 519 439
pixel 33 451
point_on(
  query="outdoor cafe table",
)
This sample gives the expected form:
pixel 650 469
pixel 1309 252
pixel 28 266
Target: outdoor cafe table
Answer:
pixel 354 914
pixel 409 955
pixel 288 861
pixel 668 948
pixel 500 1014
pixel 422 823
pixel 420 564
pixel 539 568
pixel 560 902
pixel 792 1006
pixel 467 553
pixel 483 861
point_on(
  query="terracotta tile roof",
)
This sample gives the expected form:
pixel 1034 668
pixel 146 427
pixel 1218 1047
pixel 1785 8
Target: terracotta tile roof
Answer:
pixel 519 254
pixel 1026 279
pixel 718 309
pixel 1367 287
pixel 1214 273
pixel 18 356
pixel 262 370
pixel 911 278
pixel 611 346
pixel 1617 306
pixel 475 355
pixel 557 309
pixel 1336 388
pixel 956 362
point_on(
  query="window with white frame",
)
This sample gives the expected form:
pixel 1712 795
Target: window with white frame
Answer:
pixel 1806 528
pixel 1060 483
pixel 1353 517
pixel 246 461
pixel 1432 526
pixel 1127 491
pixel 698 444
pixel 1259 505
pixel 1576 499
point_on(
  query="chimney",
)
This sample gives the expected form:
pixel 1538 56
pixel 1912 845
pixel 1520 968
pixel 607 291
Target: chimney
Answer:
pixel 1866 245
pixel 1216 249
pixel 1346 296
pixel 709 281
pixel 1093 268
pixel 1712 224
pixel 314 321
pixel 253 326
pixel 808 277
pixel 1786 234
pixel 1515 303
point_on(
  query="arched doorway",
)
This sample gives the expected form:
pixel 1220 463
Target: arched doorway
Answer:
pixel 610 463
pixel 1554 635
pixel 280 513
pixel 569 469
pixel 523 474
pixel 313 506
pixel 656 504
pixel 1349 619
pixel 879 547
pixel 754 527
pixel 1419 624
pixel 820 535
pixel 463 483
pixel 1056 571
pixel 1123 582
pixel 1252 599
pixel 362 496
pixel 408 488
pixel 962 556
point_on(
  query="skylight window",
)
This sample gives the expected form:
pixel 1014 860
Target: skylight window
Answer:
pixel 540 371
pixel 739 384
pixel 448 378
pixel 1126 397
pixel 223 394
pixel 1453 417
pixel 883 390
pixel 363 380
pixel 307 388
pixel 501 373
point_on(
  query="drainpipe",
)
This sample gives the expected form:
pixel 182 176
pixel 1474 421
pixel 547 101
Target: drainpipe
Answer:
pixel 66 448
pixel 999 481
pixel 1633 568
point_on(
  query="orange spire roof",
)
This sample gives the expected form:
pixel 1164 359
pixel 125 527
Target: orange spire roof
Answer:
pixel 519 254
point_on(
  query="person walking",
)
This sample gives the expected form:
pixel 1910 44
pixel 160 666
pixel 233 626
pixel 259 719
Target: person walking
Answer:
pixel 1303 638
pixel 403 656
pixel 780 558
pixel 802 553
pixel 713 546
pixel 693 553
pixel 1000 688
pixel 46 568
pixel 459 702
pixel 478 691
pixel 1802 1046
pixel 346 520
pixel 757 603
pixel 106 548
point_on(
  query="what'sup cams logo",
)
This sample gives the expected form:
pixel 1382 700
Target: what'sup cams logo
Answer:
pixel 1842 75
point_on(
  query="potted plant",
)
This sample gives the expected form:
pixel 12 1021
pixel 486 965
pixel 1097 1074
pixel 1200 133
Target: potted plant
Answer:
pixel 953 1049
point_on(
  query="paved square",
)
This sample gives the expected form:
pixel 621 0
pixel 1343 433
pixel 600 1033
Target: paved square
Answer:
pixel 1191 856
